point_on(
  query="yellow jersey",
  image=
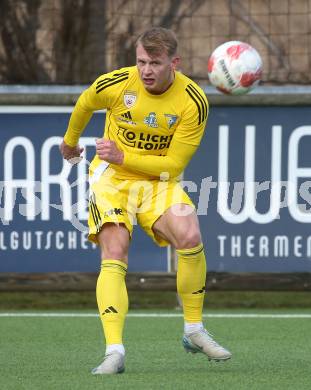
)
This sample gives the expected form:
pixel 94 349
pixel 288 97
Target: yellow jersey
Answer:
pixel 157 133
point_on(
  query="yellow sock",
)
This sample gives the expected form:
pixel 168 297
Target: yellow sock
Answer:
pixel 112 299
pixel 191 275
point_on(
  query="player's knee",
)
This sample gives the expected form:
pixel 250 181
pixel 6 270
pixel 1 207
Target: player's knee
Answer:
pixel 189 239
pixel 114 251
pixel 114 242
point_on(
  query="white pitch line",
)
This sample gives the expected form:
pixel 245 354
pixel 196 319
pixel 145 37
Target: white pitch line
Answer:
pixel 157 315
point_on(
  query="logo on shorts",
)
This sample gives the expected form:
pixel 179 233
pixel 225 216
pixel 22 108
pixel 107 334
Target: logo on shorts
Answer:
pixel 151 120
pixel 129 98
pixel 171 119
pixel 115 211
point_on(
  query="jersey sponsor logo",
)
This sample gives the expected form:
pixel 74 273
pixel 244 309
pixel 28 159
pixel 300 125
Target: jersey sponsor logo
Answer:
pixel 151 120
pixel 128 121
pixel 127 115
pixel 143 140
pixel 127 118
pixel 171 119
pixel 129 98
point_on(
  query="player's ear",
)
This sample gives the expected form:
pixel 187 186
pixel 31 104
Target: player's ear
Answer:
pixel 175 62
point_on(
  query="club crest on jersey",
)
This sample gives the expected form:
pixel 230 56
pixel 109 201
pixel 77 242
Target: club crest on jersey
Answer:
pixel 151 120
pixel 171 119
pixel 129 98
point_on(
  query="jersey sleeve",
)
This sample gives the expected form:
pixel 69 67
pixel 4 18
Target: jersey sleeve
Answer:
pixel 100 95
pixel 193 122
pixel 184 144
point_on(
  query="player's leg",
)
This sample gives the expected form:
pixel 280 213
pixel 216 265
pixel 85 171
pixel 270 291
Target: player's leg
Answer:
pixel 110 227
pixel 179 226
pixel 111 293
pixel 171 218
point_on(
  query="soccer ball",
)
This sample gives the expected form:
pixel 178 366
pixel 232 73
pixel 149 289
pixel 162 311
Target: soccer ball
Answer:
pixel 234 68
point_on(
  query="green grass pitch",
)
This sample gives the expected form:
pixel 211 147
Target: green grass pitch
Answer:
pixel 58 353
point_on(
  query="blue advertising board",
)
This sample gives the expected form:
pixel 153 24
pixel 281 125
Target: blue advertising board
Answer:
pixel 43 199
pixel 250 181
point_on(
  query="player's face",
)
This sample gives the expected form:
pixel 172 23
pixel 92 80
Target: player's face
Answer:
pixel 156 72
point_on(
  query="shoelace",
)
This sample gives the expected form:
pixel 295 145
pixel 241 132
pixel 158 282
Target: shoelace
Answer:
pixel 210 338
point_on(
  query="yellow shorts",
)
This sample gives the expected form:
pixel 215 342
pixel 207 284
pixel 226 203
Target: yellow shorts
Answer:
pixel 130 202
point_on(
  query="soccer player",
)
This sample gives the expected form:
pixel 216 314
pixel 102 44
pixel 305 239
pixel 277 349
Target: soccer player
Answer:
pixel 154 124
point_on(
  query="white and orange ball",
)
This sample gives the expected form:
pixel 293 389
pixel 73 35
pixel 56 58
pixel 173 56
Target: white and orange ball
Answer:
pixel 234 68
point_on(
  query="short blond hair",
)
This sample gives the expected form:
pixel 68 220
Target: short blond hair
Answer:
pixel 158 39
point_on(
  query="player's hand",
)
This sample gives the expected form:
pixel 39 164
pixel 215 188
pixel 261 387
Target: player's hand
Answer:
pixel 71 153
pixel 107 150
